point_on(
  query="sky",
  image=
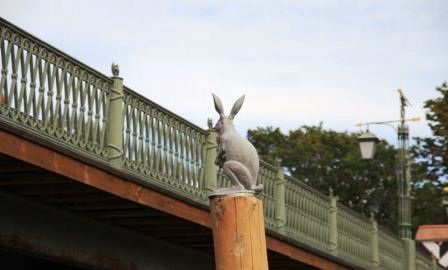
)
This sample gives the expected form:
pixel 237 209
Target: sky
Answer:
pixel 297 62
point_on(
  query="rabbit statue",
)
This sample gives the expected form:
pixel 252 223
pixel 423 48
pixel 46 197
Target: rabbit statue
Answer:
pixel 237 157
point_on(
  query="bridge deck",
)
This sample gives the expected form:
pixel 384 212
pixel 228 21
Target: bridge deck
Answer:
pixel 41 175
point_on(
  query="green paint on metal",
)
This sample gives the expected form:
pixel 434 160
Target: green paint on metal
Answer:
pixel 210 169
pixel 115 127
pixel 49 93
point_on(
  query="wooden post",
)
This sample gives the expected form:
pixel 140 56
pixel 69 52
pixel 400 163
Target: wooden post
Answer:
pixel 238 232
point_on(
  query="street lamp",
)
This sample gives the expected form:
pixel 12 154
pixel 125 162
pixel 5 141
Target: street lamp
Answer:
pixel 367 142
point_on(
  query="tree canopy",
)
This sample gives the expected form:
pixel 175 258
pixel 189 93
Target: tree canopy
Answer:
pixel 431 162
pixel 325 158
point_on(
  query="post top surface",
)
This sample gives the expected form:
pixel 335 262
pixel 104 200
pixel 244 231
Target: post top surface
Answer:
pixel 244 193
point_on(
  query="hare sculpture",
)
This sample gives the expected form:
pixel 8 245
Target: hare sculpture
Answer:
pixel 237 157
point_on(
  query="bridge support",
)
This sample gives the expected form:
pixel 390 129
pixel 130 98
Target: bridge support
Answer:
pixel 238 232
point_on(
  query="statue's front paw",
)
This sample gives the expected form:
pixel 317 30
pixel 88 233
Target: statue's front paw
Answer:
pixel 258 188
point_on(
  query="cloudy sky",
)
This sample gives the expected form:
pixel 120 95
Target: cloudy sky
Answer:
pixel 298 62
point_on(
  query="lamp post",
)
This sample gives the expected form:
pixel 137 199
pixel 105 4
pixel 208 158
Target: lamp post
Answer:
pixel 367 143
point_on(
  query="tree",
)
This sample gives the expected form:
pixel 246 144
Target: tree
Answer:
pixel 325 158
pixel 431 167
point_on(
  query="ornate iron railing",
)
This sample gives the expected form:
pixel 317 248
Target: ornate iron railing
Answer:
pixel 163 146
pixel 267 177
pixel 391 250
pixel 306 214
pixel 354 236
pixel 66 104
pixel 51 93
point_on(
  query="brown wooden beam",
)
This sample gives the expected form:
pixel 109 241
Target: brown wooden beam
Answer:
pixel 301 255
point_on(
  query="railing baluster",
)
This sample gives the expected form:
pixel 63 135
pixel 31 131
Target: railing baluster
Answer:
pixel 153 141
pixel 5 61
pixel 147 142
pixel 24 66
pixel 12 94
pixel 175 145
pixel 41 100
pixel 51 78
pixel 57 121
pixel 65 121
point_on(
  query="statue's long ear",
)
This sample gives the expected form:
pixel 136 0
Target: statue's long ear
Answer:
pixel 218 105
pixel 236 107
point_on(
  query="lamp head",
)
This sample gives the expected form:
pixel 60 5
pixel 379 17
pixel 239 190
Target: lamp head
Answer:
pixel 367 144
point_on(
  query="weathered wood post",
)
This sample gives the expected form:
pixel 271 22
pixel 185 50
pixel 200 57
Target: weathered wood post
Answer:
pixel 280 206
pixel 375 243
pixel 333 224
pixel 238 232
pixel 115 120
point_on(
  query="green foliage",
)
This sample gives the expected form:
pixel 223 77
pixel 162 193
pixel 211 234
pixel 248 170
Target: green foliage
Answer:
pixel 325 158
pixel 431 168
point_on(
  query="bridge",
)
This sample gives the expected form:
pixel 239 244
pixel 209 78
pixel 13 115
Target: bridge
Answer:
pixel 96 176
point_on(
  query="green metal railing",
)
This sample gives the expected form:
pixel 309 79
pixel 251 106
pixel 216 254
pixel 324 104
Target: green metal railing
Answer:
pixel 51 93
pixel 391 250
pixel 306 214
pixel 354 236
pixel 52 96
pixel 267 177
pixel 163 146
pixel 424 262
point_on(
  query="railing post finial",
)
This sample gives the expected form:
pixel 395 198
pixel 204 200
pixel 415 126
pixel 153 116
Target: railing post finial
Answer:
pixel 115 69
